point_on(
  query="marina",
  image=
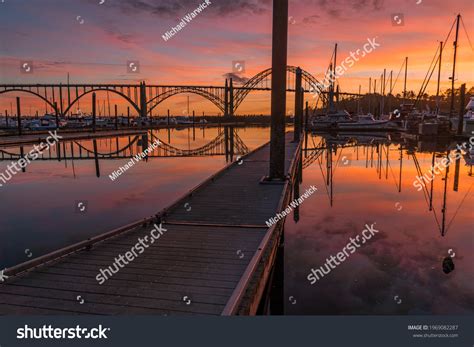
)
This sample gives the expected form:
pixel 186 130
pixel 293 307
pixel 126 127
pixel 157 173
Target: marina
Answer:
pixel 252 182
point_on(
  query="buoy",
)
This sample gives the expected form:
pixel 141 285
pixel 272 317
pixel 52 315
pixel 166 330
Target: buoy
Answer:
pixel 448 265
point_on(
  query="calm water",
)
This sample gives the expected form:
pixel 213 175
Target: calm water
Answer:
pixel 38 209
pixel 399 271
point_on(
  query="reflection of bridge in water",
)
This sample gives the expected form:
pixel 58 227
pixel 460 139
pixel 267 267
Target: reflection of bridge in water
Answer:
pixel 227 143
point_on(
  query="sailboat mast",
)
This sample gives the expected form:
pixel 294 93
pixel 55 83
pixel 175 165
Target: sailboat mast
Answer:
pixel 454 66
pixel 439 76
pixel 405 83
pixel 358 100
pixel 369 95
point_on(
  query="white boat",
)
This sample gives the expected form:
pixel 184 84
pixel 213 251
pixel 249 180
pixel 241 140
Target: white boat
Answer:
pixel 342 120
pixel 367 122
pixel 331 120
pixel 184 120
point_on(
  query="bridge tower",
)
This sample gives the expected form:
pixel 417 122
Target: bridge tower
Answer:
pixel 226 99
pixel 231 98
pixel 143 106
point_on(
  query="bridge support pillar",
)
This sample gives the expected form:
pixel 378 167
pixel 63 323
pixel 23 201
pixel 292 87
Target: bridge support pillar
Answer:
pixel 278 103
pixel 18 114
pixel 56 114
pixel 61 106
pixel 143 105
pixel 306 116
pixel 116 117
pixel 299 97
pixel 93 111
pixel 231 98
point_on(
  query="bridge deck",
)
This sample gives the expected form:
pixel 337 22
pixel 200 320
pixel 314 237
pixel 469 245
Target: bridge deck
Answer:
pixel 212 237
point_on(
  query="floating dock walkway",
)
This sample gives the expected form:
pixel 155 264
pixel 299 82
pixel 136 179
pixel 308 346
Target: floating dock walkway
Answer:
pixel 215 257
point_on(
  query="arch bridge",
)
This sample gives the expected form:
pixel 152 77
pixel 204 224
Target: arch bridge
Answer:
pixel 144 98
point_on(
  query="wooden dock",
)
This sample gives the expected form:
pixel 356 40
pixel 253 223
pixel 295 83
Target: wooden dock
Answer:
pixel 214 258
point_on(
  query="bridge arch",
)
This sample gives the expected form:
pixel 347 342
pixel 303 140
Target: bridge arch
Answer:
pixel 181 90
pixel 130 101
pixel 314 84
pixel 29 92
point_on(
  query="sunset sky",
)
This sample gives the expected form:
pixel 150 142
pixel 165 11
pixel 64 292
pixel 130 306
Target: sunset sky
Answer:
pixel 50 34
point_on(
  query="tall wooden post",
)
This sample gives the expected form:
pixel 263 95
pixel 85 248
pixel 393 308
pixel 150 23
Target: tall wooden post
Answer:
pixel 96 158
pixel 461 109
pixel 298 105
pixel 18 114
pixel 93 111
pixel 278 98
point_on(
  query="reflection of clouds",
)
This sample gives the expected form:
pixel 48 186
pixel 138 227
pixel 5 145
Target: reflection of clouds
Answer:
pixel 397 261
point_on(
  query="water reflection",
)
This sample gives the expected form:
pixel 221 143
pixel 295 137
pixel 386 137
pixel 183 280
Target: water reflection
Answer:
pixel 37 206
pixel 370 178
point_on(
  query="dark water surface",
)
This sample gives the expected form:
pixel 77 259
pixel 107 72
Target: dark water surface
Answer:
pixel 399 270
pixel 360 180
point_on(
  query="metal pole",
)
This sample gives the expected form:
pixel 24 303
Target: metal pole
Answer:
pixel 370 97
pixel 439 76
pixel 358 100
pixel 451 110
pixel 405 83
pixel 278 103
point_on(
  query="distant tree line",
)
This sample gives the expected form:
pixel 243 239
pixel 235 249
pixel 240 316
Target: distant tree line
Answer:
pixel 372 102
